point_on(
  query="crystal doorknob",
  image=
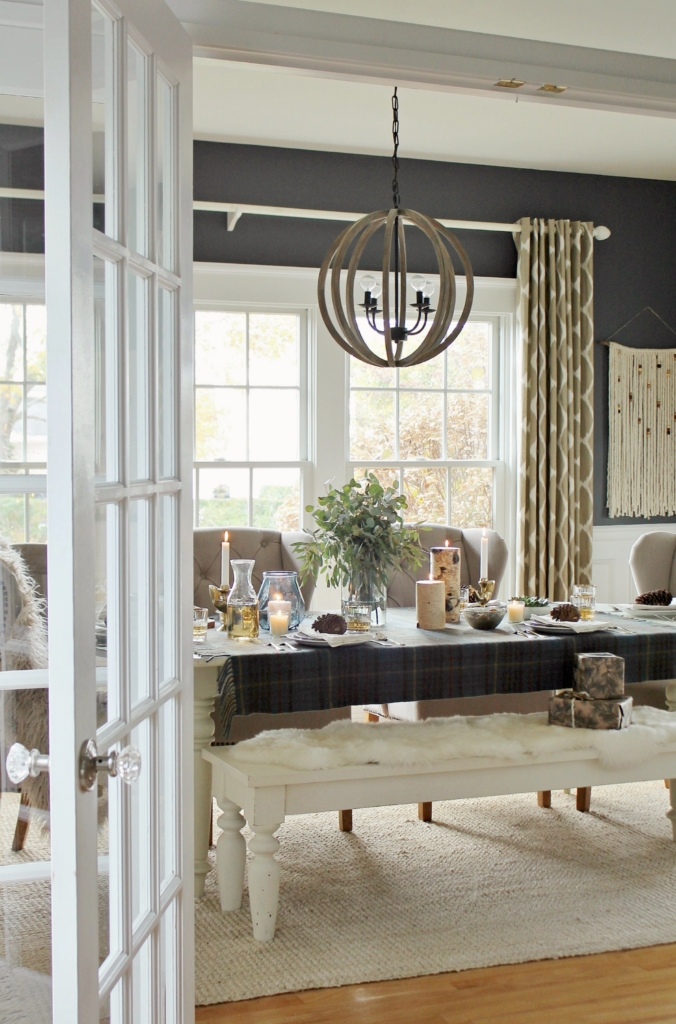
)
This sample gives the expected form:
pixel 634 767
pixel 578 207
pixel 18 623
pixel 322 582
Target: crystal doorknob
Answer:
pixel 21 763
pixel 126 764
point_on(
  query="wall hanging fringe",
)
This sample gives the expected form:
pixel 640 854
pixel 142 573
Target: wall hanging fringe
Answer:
pixel 642 431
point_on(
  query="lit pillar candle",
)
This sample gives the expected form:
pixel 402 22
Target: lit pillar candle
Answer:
pixel 445 566
pixel 225 561
pixel 515 610
pixel 483 574
pixel 430 604
pixel 279 613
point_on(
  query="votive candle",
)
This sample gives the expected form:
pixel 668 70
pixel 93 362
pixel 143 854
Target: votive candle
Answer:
pixel 515 611
pixel 279 613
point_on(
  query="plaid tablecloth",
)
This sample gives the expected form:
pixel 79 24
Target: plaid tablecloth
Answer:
pixel 458 662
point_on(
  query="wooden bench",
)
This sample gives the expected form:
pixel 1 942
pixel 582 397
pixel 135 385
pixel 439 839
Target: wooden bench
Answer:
pixel 266 794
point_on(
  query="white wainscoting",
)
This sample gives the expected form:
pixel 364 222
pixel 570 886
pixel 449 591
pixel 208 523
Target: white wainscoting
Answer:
pixel 610 564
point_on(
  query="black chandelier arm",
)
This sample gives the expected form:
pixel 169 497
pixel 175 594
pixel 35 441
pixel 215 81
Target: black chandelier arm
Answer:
pixel 419 329
pixel 372 319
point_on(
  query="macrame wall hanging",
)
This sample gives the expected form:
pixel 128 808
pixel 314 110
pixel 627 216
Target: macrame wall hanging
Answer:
pixel 642 441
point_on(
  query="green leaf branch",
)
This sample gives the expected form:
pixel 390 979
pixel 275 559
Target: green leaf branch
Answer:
pixel 360 535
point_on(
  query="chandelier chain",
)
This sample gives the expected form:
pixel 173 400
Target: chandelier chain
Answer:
pixel 395 158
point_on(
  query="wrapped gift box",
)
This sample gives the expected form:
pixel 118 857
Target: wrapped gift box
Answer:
pixel 580 711
pixel 600 675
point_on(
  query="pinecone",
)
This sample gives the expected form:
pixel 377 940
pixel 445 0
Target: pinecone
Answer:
pixel 565 613
pixel 330 623
pixel 473 595
pixel 654 597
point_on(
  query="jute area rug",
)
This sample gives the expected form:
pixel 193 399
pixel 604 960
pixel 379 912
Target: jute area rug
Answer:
pixel 490 881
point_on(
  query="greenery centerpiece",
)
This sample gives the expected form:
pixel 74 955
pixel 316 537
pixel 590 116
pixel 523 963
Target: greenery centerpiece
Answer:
pixel 359 540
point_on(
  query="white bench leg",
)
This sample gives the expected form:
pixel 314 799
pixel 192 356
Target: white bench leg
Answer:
pixel 671 813
pixel 230 855
pixel 264 882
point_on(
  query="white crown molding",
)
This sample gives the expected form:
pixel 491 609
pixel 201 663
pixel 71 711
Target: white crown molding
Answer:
pixel 333 45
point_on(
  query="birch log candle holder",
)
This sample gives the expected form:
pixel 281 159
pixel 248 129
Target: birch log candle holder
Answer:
pixel 430 604
pixel 445 566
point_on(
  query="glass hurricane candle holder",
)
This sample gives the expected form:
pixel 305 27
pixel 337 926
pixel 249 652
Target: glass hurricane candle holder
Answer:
pixel 279 590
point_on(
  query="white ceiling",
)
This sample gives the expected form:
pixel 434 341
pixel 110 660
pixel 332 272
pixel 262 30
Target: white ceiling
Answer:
pixel 630 26
pixel 249 104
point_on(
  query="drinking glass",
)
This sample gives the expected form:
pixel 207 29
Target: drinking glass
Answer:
pixel 584 599
pixel 200 624
pixel 464 598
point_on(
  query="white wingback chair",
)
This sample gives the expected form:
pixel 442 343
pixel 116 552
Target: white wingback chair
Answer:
pixel 653 562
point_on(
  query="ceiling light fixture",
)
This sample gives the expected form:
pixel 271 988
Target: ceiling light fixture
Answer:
pixel 509 83
pixel 391 322
pixel 555 89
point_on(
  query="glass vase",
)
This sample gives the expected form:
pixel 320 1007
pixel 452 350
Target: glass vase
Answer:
pixel 280 602
pixel 363 603
pixel 242 608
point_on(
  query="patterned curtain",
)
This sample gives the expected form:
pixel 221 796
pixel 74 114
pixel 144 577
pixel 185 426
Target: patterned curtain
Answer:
pixel 556 321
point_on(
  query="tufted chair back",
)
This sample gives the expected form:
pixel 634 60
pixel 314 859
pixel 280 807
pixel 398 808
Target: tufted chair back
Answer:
pixel 401 589
pixel 269 549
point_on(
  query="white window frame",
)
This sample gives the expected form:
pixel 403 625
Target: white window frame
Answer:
pixel 22 282
pixel 304 462
pixel 494 458
pixel 229 285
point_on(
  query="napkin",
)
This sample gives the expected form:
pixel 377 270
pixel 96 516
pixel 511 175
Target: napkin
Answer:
pixel 336 639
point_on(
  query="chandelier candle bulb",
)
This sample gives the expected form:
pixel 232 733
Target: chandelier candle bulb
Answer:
pixel 515 611
pixel 483 574
pixel 225 561
pixel 445 566
pixel 430 604
pixel 279 613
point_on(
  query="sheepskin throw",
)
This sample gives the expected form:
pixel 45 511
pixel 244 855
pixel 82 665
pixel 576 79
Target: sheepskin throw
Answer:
pixel 435 740
pixel 642 429
pixel 23 643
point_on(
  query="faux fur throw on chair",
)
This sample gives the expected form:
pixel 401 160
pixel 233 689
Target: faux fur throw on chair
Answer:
pixel 23 645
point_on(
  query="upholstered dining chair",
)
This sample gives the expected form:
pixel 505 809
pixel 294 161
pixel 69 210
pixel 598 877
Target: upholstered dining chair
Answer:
pixel 270 550
pixel 401 594
pixel 652 561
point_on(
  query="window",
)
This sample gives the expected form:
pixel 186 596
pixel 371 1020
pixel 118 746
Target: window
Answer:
pixel 23 420
pixel 250 417
pixel 432 430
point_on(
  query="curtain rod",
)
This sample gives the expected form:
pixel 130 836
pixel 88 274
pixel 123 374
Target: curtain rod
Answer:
pixel 234 211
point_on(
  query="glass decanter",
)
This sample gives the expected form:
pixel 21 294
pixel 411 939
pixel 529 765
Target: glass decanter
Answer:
pixel 242 609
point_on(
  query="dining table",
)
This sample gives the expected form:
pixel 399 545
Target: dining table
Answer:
pixel 276 675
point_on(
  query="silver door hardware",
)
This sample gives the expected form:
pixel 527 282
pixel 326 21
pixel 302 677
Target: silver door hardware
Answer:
pixel 126 764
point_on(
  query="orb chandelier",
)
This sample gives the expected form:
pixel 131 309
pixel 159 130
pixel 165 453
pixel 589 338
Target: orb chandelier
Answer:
pixel 432 329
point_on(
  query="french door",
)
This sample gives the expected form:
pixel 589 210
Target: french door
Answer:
pixel 118 138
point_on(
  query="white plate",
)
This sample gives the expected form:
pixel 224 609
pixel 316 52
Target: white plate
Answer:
pixel 651 611
pixel 336 640
pixel 591 626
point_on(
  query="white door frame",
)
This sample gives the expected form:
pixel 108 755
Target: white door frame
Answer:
pixel 71 380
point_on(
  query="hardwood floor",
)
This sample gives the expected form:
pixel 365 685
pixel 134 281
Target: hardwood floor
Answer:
pixel 635 986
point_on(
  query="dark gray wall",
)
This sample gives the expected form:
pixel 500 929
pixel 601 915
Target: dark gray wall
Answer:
pixel 634 268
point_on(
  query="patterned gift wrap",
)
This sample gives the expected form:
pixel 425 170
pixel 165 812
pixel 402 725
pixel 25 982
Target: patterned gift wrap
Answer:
pixel 600 675
pixel 580 711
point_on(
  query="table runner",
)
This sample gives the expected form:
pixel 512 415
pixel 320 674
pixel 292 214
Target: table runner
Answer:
pixel 458 662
